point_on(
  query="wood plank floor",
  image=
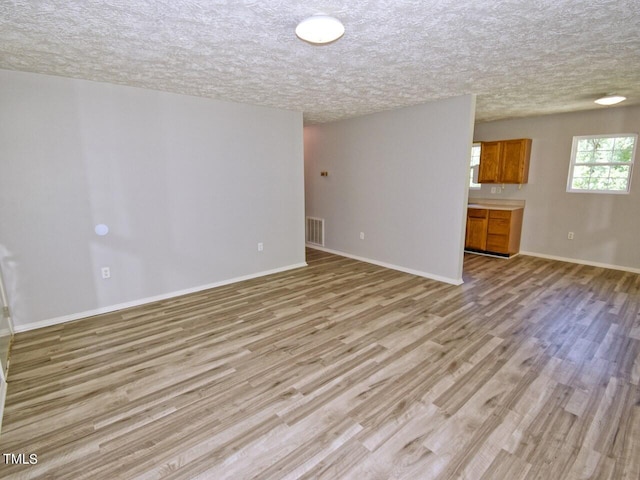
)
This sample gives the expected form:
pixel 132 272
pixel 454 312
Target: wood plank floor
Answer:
pixel 530 370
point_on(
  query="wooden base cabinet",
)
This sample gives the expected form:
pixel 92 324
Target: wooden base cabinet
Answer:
pixel 477 224
pixel 494 231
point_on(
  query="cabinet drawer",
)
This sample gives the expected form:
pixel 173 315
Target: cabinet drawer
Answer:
pixel 499 226
pixel 500 214
pixel 498 243
pixel 477 212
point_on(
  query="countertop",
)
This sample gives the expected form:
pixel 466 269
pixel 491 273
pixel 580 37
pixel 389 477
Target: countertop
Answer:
pixel 494 206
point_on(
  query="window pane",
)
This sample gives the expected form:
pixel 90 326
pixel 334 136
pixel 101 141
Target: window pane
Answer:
pixel 622 156
pixel 580 183
pixel 605 143
pixel 474 164
pixel 623 149
pixel 475 155
pixel 586 145
pixel 581 175
pixel 584 157
pixel 582 171
pixel 619 171
pixel 619 184
pixel 603 156
pixel 622 143
pixel 600 171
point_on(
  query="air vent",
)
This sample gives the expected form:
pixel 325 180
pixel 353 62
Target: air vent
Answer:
pixel 315 231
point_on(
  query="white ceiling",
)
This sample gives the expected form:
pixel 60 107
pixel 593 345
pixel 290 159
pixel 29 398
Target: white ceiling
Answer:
pixel 521 57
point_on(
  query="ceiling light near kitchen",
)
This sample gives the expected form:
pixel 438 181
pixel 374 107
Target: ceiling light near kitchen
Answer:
pixel 320 29
pixel 610 100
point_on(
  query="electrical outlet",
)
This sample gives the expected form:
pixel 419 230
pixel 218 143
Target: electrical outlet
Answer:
pixel 361 235
pixel 493 189
pixel 260 246
pixel 106 272
pixel 570 235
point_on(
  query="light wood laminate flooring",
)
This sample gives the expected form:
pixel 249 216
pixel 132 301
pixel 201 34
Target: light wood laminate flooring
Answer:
pixel 342 370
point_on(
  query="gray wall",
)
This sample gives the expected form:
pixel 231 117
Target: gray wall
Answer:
pixel 606 227
pixel 401 178
pixel 188 187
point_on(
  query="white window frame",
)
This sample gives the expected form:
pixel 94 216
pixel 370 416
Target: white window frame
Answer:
pixel 473 174
pixel 573 163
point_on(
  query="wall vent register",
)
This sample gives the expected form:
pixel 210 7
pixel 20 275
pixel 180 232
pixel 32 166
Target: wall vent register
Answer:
pixel 315 231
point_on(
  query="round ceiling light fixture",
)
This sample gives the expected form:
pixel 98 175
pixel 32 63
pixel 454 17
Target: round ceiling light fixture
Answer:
pixel 320 29
pixel 610 100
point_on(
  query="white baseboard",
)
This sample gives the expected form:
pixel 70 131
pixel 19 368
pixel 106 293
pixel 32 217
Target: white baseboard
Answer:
pixel 136 303
pixel 582 262
pixel 430 276
pixel 3 397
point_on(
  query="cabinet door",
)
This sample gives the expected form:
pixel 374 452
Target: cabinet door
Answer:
pixel 498 231
pixel 498 243
pixel 515 161
pixel 489 169
pixel 476 236
pixel 499 226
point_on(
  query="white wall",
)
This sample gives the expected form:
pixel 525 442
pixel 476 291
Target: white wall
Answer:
pixel 400 177
pixel 188 187
pixel 606 227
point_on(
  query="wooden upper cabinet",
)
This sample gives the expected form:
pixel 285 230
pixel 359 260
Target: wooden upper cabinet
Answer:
pixel 489 168
pixel 505 161
pixel 515 165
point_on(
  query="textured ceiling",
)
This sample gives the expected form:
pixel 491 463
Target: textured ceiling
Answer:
pixel 521 57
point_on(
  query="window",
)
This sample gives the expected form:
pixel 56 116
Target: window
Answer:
pixel 475 163
pixel 602 163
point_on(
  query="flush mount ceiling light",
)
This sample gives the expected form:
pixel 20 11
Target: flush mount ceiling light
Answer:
pixel 320 29
pixel 610 100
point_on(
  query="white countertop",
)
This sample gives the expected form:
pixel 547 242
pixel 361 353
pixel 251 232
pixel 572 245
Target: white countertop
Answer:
pixel 494 207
